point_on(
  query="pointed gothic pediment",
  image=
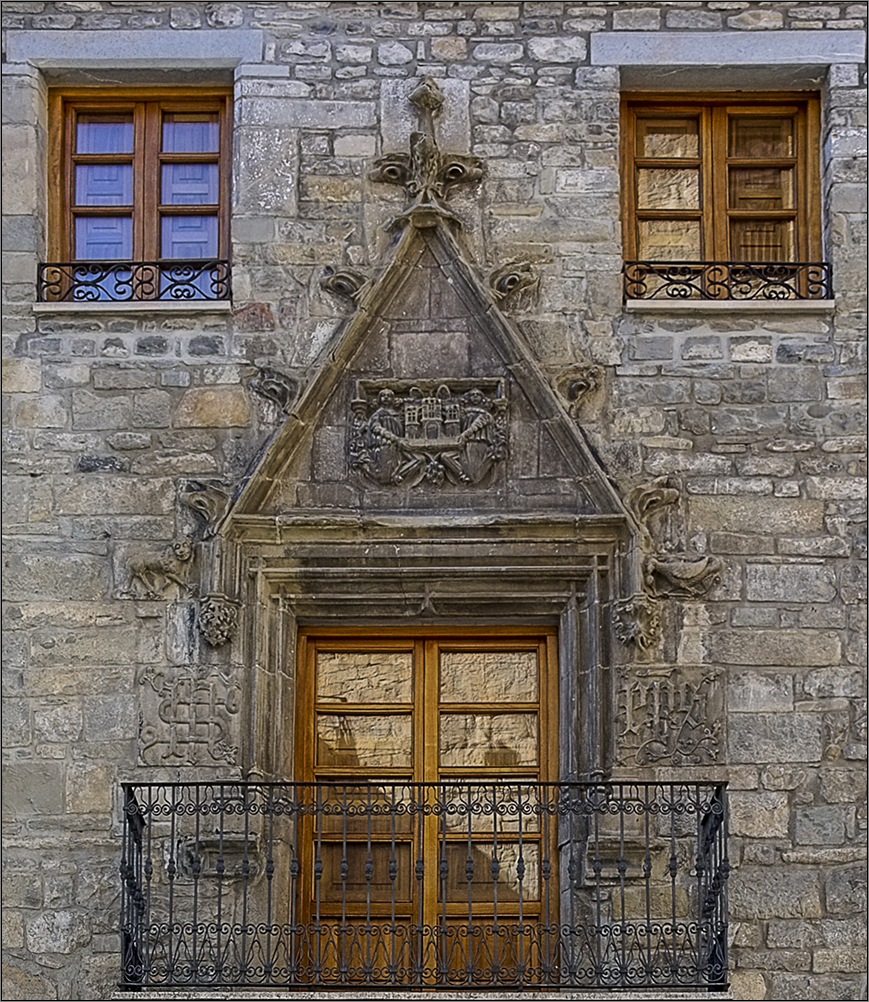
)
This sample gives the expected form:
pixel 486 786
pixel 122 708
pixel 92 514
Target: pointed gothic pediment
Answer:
pixel 428 400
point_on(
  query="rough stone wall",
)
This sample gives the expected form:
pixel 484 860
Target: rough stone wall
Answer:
pixel 756 419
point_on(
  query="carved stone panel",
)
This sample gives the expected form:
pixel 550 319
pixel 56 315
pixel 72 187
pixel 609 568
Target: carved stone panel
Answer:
pixel 428 432
pixel 189 719
pixel 667 716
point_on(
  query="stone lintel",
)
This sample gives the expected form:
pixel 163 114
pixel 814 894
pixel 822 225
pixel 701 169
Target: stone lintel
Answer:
pixel 152 50
pixel 725 48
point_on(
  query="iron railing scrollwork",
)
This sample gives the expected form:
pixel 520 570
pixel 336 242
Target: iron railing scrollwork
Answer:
pixel 680 281
pixel 459 884
pixel 173 280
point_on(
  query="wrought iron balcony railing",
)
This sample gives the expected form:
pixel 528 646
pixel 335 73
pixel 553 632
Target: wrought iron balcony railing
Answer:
pixel 680 281
pixel 461 884
pixel 173 280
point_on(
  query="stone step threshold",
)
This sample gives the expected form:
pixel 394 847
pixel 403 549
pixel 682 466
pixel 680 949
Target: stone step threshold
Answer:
pixel 435 995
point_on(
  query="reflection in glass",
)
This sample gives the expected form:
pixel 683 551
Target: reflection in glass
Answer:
pixel 488 739
pixel 364 740
pixel 365 676
pixel 668 189
pixel 488 676
pixel 190 184
pixel 191 133
pixel 668 137
pixel 761 137
pixel 385 809
pixel 762 240
pixel 104 184
pixel 189 236
pixel 481 884
pixel 355 887
pixel 761 188
pixel 107 238
pixel 669 239
pixel 484 808
pixel 112 133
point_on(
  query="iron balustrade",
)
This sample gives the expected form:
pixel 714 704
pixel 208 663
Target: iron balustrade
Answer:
pixel 173 280
pixel 727 280
pixel 460 884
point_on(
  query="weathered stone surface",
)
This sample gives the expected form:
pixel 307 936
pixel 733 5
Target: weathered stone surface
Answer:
pixel 769 737
pixel 58 932
pixel 779 648
pixel 790 582
pixel 759 893
pixel 762 515
pixel 48 574
pixel 22 375
pixel 223 407
pixel 846 890
pixel 820 825
pixel 32 788
pixel 759 815
pixel 758 692
pixel 118 495
pixel 826 682
pixel 21 984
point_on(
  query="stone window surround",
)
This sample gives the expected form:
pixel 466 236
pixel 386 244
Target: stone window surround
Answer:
pixel 665 61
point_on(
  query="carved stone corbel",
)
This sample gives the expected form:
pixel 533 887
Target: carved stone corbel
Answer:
pixel 678 576
pixel 217 619
pixel 208 499
pixel 637 621
pixel 511 279
pixel 275 386
pixel 344 282
pixel 577 382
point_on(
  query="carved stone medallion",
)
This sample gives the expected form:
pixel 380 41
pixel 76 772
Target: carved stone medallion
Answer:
pixel 428 432
pixel 218 619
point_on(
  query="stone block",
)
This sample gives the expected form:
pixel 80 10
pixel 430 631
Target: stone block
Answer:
pixel 753 348
pixel 50 574
pixel 499 52
pixel 836 488
pixel 759 815
pixel 32 787
pixel 44 411
pixel 773 737
pixel 91 411
pixel 118 378
pixel 846 890
pixel 560 49
pixel 643 19
pixel 840 959
pixel 89 787
pixel 843 786
pixel 151 408
pixel 821 825
pixel 792 383
pixel 824 683
pixel 394 54
pixel 61 722
pixel 747 985
pixel 99 645
pixel 16 723
pixel 21 984
pixel 116 495
pixel 58 932
pixel 756 20
pixel 761 893
pixel 22 375
pixel 778 648
pixel 759 692
pixel 217 407
pixel 790 582
pixel 696 19
pixel 109 718
pixel 770 516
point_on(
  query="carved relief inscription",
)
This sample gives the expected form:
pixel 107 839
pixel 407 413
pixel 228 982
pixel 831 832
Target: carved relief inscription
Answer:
pixel 665 716
pixel 432 432
pixel 189 720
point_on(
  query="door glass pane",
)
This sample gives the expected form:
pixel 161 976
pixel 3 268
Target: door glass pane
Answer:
pixel 482 807
pixel 108 133
pixel 478 877
pixel 669 240
pixel 190 184
pixel 107 238
pixel 762 240
pixel 197 132
pixel 365 676
pixel 104 184
pixel 761 137
pixel 355 886
pixel 488 739
pixel 189 236
pixel 761 188
pixel 668 137
pixel 668 189
pixel 382 809
pixel 366 740
pixel 488 676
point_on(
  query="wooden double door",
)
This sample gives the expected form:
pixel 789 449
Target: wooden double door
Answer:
pixel 427 850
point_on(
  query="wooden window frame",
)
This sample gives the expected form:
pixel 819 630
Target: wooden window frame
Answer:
pixel 713 111
pixel 147 106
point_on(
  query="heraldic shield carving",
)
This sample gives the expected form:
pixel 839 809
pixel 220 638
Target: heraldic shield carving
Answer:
pixel 432 432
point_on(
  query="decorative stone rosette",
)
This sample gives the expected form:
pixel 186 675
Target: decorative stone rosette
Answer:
pixel 217 620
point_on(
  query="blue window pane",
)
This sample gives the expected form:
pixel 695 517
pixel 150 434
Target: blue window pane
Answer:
pixel 104 184
pixel 189 236
pixel 103 238
pixel 190 184
pixel 191 133
pixel 104 134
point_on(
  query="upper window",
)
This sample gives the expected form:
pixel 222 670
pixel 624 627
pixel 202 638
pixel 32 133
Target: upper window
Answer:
pixel 141 179
pixel 730 185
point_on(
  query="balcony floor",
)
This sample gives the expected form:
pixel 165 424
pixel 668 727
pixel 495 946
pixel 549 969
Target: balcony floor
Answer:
pixel 354 994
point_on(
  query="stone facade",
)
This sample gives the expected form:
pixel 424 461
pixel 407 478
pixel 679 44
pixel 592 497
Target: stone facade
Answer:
pixel 175 477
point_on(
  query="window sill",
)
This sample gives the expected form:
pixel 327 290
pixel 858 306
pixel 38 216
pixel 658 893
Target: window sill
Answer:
pixel 730 306
pixel 127 306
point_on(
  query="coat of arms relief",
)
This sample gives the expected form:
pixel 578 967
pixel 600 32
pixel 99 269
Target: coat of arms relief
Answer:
pixel 410 433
